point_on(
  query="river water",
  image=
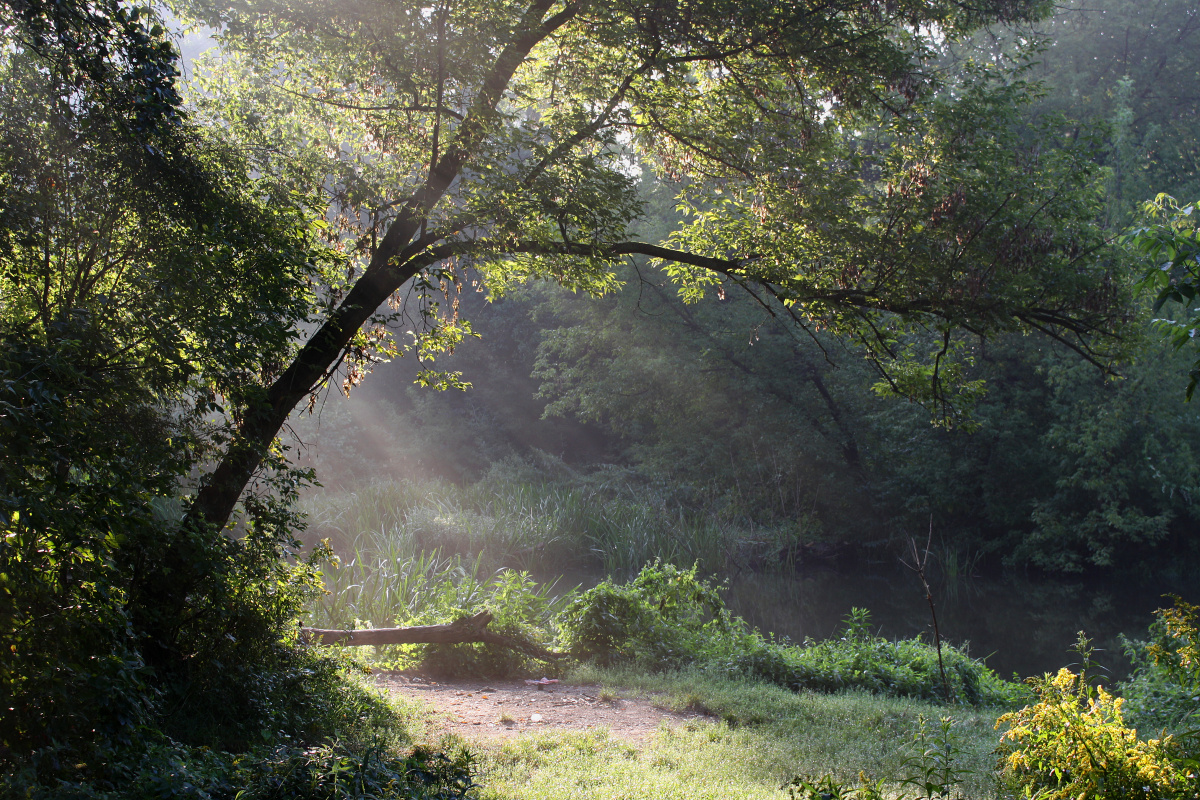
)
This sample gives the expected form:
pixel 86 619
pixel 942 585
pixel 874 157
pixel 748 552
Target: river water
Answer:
pixel 1020 624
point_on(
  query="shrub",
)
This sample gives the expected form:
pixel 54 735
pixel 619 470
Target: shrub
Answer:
pixel 325 734
pixel 667 617
pixel 281 773
pixel 523 610
pixel 1073 743
pixel 664 617
pixel 859 659
pixel 1164 688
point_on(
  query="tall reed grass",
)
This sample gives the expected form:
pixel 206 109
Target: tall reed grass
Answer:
pixel 525 525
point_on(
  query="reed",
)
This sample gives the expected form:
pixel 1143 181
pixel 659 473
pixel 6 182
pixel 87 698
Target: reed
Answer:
pixel 525 525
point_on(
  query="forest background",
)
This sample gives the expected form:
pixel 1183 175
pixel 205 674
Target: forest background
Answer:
pixel 170 267
pixel 730 412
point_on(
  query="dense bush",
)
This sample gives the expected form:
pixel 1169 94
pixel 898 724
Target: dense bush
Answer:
pixel 664 617
pixel 1074 743
pixel 303 727
pixel 326 772
pixel 667 617
pixel 149 287
pixel 859 659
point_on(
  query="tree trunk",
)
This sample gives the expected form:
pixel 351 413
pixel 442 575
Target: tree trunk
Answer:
pixel 461 631
pixel 397 259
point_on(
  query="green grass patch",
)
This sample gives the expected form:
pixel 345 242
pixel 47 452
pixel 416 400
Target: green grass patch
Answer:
pixel 761 736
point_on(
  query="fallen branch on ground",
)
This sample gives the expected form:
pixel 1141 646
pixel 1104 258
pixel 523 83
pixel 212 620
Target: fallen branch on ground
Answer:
pixel 463 630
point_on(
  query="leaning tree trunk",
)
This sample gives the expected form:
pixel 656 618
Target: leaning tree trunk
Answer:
pixel 397 259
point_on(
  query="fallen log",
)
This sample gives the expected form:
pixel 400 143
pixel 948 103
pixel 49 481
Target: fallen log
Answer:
pixel 461 631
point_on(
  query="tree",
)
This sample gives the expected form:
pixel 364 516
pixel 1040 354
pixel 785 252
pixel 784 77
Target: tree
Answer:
pixel 820 159
pixel 1133 65
pixel 1170 241
pixel 141 275
pixel 1125 71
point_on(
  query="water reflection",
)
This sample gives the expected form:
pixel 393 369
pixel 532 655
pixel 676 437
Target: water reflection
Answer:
pixel 1020 624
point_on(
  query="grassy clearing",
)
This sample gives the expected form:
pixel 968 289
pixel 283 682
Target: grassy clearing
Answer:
pixel 764 735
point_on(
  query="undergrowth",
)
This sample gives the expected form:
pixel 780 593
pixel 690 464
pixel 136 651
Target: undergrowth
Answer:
pixel 668 617
pixel 1074 742
pixel 1163 692
pixel 381 586
pixel 326 734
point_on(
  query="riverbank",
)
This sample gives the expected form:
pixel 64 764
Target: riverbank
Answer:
pixel 389 534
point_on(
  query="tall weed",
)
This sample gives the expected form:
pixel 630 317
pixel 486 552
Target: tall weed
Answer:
pixel 387 584
pixel 1074 743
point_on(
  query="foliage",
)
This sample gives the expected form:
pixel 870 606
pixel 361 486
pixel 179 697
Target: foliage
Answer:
pixel 667 618
pixel 1104 64
pixel 1175 646
pixel 497 137
pixel 1172 243
pixel 1068 471
pixel 524 611
pixel 1164 688
pixel 936 772
pixel 526 516
pixel 148 284
pixel 314 729
pixel 859 659
pixel 1073 742
pixel 325 772
pixel 741 447
pixel 1109 61
pixel 826 787
pixel 114 55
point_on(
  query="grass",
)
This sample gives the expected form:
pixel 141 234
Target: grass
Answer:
pixel 525 524
pixel 762 736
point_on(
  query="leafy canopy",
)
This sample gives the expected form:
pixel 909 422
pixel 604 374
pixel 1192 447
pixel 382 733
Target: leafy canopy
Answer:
pixel 1170 241
pixel 818 156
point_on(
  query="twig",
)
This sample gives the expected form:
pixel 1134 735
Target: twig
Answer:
pixel 918 566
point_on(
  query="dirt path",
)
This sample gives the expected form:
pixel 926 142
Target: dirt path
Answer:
pixel 506 709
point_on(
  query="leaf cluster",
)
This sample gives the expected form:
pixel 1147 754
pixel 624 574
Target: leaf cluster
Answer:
pixel 1164 689
pixel 1171 243
pixel 148 286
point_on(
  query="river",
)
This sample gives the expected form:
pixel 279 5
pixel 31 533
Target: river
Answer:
pixel 1020 624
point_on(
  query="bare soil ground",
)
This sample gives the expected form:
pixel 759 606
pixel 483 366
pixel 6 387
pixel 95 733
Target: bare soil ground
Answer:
pixel 507 709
